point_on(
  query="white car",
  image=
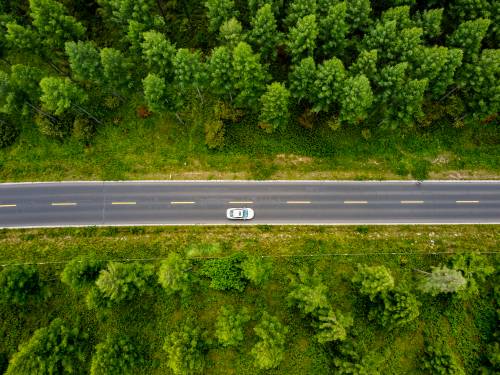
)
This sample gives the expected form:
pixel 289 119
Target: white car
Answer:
pixel 239 213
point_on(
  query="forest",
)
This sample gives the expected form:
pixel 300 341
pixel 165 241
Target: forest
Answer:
pixel 246 300
pixel 405 75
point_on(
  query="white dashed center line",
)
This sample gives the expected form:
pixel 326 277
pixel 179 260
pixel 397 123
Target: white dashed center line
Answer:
pixel 467 201
pixel 123 203
pixel 63 204
pixel 177 202
pixel 7 205
pixel 298 202
pixel 412 202
pixel 355 202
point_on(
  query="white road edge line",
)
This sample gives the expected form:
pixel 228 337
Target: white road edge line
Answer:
pixel 122 203
pixel 355 202
pixel 7 205
pixel 467 201
pixel 412 202
pixel 298 202
pixel 178 202
pixel 63 204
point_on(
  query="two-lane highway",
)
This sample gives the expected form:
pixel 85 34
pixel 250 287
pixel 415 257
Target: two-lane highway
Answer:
pixel 274 202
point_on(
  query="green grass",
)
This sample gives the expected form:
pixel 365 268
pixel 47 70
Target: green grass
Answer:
pixel 465 327
pixel 159 147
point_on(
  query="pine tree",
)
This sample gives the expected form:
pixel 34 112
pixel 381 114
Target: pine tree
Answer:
pixel 84 60
pixel 308 293
pixel 301 39
pixel 366 64
pixel 174 274
pixel 399 309
pixel 329 84
pixel 356 100
pixel 275 102
pixel 189 72
pixel 117 355
pixel 61 94
pixel 22 38
pixel 158 53
pixel 298 9
pixel 331 326
pixel 219 11
pixel 231 33
pixel 358 14
pixel 302 80
pixel 219 70
pixel 155 92
pixel 442 280
pixel 230 324
pixel 185 350
pixel 264 34
pixel 116 69
pixel 333 29
pixel 430 22
pixel 248 76
pixel 269 350
pixel 468 36
pixel 373 281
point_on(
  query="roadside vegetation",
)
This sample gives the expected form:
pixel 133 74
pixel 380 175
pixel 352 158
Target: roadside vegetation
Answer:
pixel 248 89
pixel 347 300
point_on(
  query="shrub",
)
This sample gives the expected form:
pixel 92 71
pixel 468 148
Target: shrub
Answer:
pixel 214 134
pixel 225 273
pixel 256 269
pixel 269 351
pixel 82 272
pixel 55 349
pixel 174 274
pixel 229 326
pixel 185 350
pixel 440 361
pixel 19 283
pixel 8 133
pixel 83 130
pixel 372 281
pixel 117 355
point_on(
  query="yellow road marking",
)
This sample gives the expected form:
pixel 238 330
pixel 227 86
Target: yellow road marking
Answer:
pixel 123 203
pixel 7 205
pixel 355 202
pixel 63 204
pixel 241 202
pixel 412 202
pixel 298 202
pixel 180 202
pixel 467 201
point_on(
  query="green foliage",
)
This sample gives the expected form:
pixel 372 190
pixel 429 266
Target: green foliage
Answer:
pixel 185 350
pixel 301 40
pixel 83 130
pixel 331 326
pixel 21 38
pixel 373 280
pixel 440 361
pixel 123 11
pixel 299 9
pixel 350 362
pixel 55 349
pixel 430 22
pixel 214 134
pixel 18 284
pixel 302 79
pixel 219 11
pixel 155 92
pixel 399 308
pixel 189 73
pixel 255 5
pixel 8 132
pixel 219 69
pixel 475 268
pixel 257 269
pixel 19 90
pixel 229 326
pixel 117 355
pixel 358 14
pixel 329 83
pixel 84 60
pixel 225 273
pixel 275 102
pixel 264 34
pixel 443 280
pixel 308 293
pixel 269 350
pixel 356 100
pixel 122 282
pixel 116 69
pixel 53 24
pixel 158 53
pixel 399 14
pixel 333 29
pixel 248 76
pixel 468 36
pixel 60 94
pixel 174 274
pixel 231 33
pixel 81 272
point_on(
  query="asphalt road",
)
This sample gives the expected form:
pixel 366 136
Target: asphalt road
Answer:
pixel 274 202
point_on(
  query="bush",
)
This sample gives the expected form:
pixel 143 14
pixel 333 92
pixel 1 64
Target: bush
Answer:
pixel 420 169
pixel 19 283
pixel 57 128
pixel 372 281
pixel 269 351
pixel 214 134
pixel 440 361
pixel 82 272
pixel 8 133
pixel 115 356
pixel 257 269
pixel 174 274
pixel 83 130
pixel 55 349
pixel 229 326
pixel 185 350
pixel 225 273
